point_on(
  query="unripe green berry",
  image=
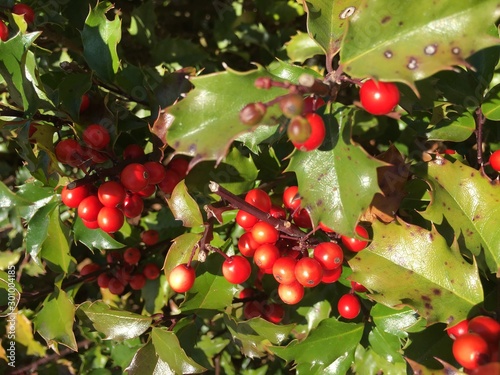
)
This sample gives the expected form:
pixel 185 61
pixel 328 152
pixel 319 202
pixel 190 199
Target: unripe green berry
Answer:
pixel 298 130
pixel 292 105
pixel 253 113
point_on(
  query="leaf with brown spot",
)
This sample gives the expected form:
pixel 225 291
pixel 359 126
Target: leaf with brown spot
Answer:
pixel 420 263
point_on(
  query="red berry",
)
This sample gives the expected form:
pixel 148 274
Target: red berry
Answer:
pixel 111 193
pixel 85 103
pixel 273 312
pixel 133 151
pixel 252 309
pixel 182 278
pixel 132 205
pixel 90 224
pixel 265 256
pixel 156 171
pixel 73 197
pixel 148 191
pixel 308 272
pixel 264 232
pixel 245 220
pixel 331 276
pixel 312 103
pixel 291 198
pixel 88 269
pixel 169 182
pixel 471 350
pixel 96 136
pixel 150 237
pixel 284 270
pixel 134 177
pixel 349 306
pixel 277 212
pixel 259 198
pixel 486 327
pixel 458 329
pixel 247 245
pixel 114 257
pixel 26 10
pixel 325 228
pixel 353 243
pixel 151 271
pixel 246 293
pixel 115 286
pixel 317 136
pixel 236 269
pixel 302 218
pixel 137 281
pixel 89 208
pixel 110 219
pixel 4 31
pixel 378 98
pixel 291 293
pixel 103 280
pixel 329 255
pixel 68 151
pixel 179 165
pixel 132 255
pixel 357 287
pixel 495 160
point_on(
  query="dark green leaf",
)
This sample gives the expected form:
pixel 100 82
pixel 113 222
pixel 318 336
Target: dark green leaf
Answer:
pixel 94 238
pixel 396 322
pixel 100 39
pixel 368 361
pixel 9 199
pixel 491 104
pixel 55 248
pixel 113 323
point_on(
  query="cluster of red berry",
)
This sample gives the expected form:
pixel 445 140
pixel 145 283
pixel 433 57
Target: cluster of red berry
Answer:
pixel 20 9
pixel 123 268
pixel 476 343
pixel 106 203
pixel 306 129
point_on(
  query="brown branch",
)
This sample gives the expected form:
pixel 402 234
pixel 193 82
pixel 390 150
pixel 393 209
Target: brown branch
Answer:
pixel 480 119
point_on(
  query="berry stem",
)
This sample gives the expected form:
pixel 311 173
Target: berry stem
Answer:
pixel 480 119
pixel 282 225
pixel 216 250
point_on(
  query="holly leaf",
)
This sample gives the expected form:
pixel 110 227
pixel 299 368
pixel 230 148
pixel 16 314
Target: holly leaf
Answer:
pixel 54 322
pixel 456 128
pixel 94 238
pixel 310 356
pixel 368 361
pixel 431 277
pixel 407 49
pixel 302 47
pixel 114 324
pixel 455 188
pixel 184 207
pixel 491 104
pixel 147 362
pixel 25 337
pixel 100 38
pixel 396 322
pixel 174 358
pixel 256 336
pixel 180 250
pixel 206 122
pixel 342 169
pixel 327 22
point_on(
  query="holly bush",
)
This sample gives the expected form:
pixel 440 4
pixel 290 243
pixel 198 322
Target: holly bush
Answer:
pixel 249 187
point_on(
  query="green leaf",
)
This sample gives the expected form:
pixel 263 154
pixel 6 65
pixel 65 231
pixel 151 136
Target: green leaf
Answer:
pixel 114 324
pixel 431 277
pixel 18 69
pixel 24 336
pixel 407 49
pixel 100 38
pixel 9 199
pixel 184 207
pixel 491 104
pixel 396 322
pixel 256 336
pixel 180 251
pixel 71 89
pixel 340 168
pixel 147 362
pixel 94 238
pixel 368 361
pixel 211 290
pixel 170 352
pixel 206 122
pixel 387 346
pixel 455 190
pixel 55 249
pixel 318 355
pixel 302 47
pixel 327 22
pixel 458 128
pixel 54 322
pixel 10 291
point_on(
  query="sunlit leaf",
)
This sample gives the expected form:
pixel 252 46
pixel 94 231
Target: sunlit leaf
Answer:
pixel 184 207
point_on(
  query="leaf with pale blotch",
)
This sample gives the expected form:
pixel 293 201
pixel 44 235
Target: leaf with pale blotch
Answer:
pixel 184 207
pixel 206 122
pixel 54 322
pixel 256 336
pixel 169 350
pixel 302 47
pixel 438 35
pixel 24 336
pixel 114 324
pixel 318 354
pixel 327 22
pixel 470 203
pixel 491 104
pixel 338 181
pixel 426 274
pixel 180 250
